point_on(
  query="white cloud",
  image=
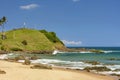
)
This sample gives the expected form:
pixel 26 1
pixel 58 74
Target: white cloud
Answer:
pixel 71 42
pixel 30 6
pixel 75 0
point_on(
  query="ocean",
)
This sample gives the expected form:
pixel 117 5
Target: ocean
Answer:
pixel 77 60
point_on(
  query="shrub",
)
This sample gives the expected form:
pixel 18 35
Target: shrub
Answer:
pixel 16 49
pixel 51 36
pixel 24 42
pixel 4 47
pixel 43 31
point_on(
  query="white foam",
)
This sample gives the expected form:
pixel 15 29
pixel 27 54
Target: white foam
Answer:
pixel 76 65
pixel 55 52
pixel 110 72
pixel 107 51
pixel 113 67
pixel 45 61
pixel 85 52
pixel 4 56
pixel 10 54
pixel 99 65
pixel 72 65
pixel 21 61
pixel 61 63
pixel 110 51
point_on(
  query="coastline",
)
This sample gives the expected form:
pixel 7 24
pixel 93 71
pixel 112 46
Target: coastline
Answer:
pixel 17 71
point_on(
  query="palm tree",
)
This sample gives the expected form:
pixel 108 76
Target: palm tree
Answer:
pixel 2 21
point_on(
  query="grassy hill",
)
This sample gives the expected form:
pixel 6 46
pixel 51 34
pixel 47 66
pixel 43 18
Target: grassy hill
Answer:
pixel 30 40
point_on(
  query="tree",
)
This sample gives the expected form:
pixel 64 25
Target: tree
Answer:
pixel 2 22
pixel 24 42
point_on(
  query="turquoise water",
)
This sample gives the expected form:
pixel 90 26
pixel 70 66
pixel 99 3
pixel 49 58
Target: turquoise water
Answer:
pixel 112 53
pixel 103 58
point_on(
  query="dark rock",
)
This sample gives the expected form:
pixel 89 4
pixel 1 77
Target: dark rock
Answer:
pixel 117 70
pixel 97 68
pixel 2 72
pixel 20 57
pixel 92 62
pixel 27 61
pixel 115 75
pixel 96 51
pixel 3 52
pixel 40 52
pixel 34 57
pixel 113 59
pixel 41 66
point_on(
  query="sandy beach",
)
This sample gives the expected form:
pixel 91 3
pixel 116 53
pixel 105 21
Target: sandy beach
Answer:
pixel 17 71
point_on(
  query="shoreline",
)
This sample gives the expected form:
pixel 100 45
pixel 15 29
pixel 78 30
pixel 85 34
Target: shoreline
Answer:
pixel 17 71
pixel 66 49
pixel 89 73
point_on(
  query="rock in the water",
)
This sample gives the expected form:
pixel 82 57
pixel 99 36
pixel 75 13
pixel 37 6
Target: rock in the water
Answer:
pixel 27 61
pixel 97 68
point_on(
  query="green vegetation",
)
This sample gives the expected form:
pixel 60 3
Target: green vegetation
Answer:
pixel 30 40
pixel 51 36
pixel 2 22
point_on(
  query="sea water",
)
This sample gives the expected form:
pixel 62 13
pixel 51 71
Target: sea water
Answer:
pixel 77 60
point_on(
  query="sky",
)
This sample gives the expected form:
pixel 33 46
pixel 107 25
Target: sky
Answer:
pixel 75 22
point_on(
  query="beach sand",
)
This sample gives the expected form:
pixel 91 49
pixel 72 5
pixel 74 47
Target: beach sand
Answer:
pixel 17 71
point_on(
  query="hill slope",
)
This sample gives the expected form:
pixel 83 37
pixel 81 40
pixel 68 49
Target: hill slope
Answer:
pixel 30 40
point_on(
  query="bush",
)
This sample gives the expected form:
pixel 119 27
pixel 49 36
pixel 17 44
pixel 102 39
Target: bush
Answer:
pixel 51 36
pixel 4 47
pixel 24 42
pixel 16 49
pixel 43 31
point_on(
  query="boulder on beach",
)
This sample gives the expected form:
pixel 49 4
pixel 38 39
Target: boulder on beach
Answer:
pixel 41 66
pixel 2 72
pixel 103 68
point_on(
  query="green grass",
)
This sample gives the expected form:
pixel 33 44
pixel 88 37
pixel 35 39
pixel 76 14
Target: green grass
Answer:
pixel 34 39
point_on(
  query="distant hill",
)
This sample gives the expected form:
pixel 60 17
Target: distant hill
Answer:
pixel 30 40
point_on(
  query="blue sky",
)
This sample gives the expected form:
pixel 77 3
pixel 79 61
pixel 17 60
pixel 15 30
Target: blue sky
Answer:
pixel 76 22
